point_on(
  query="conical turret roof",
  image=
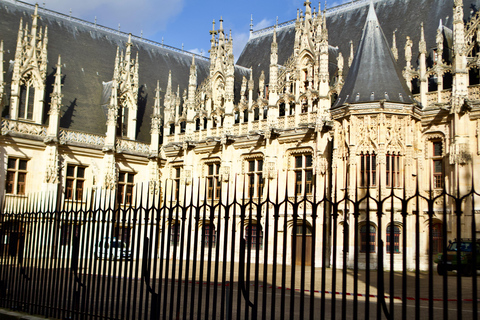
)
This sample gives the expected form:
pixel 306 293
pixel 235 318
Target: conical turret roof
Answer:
pixel 373 75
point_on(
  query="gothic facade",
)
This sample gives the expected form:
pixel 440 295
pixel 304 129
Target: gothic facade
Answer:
pixel 323 104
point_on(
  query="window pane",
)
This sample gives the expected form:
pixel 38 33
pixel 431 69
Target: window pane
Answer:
pixel 12 163
pixel 130 177
pixel 260 165
pixel 437 149
pixel 210 169
pixel 251 166
pixel 70 171
pixel 309 160
pixel 437 164
pixel 80 172
pixel 298 161
pixel 121 177
pixel 23 165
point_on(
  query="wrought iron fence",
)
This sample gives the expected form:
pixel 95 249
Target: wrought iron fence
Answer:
pixel 194 254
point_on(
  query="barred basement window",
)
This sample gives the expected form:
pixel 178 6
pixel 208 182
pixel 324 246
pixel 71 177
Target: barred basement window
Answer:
pixel 75 182
pixel 368 238
pixel 304 180
pixel 209 235
pixel 16 176
pixel 437 238
pixel 255 178
pixel 125 188
pixel 368 167
pixel 175 233
pixel 254 236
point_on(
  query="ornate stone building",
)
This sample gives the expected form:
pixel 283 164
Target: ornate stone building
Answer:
pixel 348 102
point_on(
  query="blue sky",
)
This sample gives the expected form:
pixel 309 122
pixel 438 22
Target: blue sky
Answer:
pixel 183 22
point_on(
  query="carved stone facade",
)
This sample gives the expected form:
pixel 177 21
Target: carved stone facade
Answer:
pixel 278 122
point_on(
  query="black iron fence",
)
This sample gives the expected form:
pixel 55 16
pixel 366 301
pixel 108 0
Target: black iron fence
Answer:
pixel 196 254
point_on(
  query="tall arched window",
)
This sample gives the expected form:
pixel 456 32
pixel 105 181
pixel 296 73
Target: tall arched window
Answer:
pixel 368 238
pixel 392 166
pixel 27 98
pixel 368 169
pixel 393 238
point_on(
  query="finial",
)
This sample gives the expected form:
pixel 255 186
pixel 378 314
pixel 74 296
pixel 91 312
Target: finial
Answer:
pixel 221 24
pixel 251 22
pixel 95 20
pixel 440 25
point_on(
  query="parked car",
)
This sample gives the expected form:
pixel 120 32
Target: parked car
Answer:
pixel 112 249
pixel 467 265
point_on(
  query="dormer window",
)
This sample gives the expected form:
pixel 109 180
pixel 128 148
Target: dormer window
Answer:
pixel 27 101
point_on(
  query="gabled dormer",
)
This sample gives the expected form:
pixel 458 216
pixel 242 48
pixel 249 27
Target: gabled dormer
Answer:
pixel 221 71
pixel 29 72
pixel 125 78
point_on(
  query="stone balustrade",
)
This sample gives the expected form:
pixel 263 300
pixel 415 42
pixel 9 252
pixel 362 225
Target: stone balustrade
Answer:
pixel 23 128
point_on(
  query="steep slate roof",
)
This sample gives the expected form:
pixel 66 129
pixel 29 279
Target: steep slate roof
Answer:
pixel 88 56
pixel 373 75
pixel 346 22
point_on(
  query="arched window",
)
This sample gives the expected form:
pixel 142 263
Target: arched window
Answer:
pixel 27 98
pixel 245 115
pixel 183 126
pixel 368 238
pixel 197 124
pixel 437 237
pixel 281 111
pixel 172 128
pixel 393 169
pixel 256 114
pixel 205 122
pixel 254 236
pixel 237 117
pixel 393 239
pixel 368 169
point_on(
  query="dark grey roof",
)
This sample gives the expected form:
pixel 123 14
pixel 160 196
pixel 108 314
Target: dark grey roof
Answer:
pixel 373 75
pixel 344 25
pixel 88 56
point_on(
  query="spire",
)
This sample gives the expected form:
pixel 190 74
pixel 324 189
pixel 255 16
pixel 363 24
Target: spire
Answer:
pixel 350 58
pixel 363 83
pixel 2 80
pixel 156 107
pixel 422 45
pixel 34 24
pixel 128 51
pixel 57 86
pixel 394 46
